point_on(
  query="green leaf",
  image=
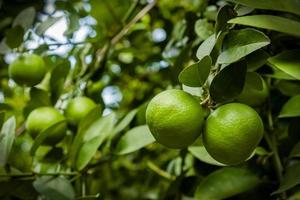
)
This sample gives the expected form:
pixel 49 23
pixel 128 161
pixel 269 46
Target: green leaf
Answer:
pixel 54 188
pixel 229 82
pixel 73 24
pixel 239 43
pixel 14 36
pixel 288 88
pixel 295 151
pixel 44 26
pixel 224 14
pixel 291 108
pixel 200 153
pixel 2 118
pixel 203 28
pixel 58 78
pixel 225 183
pixel 290 179
pixel 124 122
pixel 206 47
pixel 256 60
pixel 196 74
pixel 291 6
pixel 269 22
pixel 134 140
pixel 25 18
pixel 40 96
pixel 92 138
pixel 288 62
pixel 8 136
pixel 280 75
pixel 44 134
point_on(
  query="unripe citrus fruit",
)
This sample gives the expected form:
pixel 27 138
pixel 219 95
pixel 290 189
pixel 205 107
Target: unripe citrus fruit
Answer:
pixel 174 118
pixel 232 132
pixel 78 108
pixel 42 118
pixel 254 94
pixel 28 69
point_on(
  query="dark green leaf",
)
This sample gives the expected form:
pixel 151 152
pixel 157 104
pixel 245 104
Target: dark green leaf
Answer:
pixel 256 60
pixel 229 83
pixel 291 108
pixel 2 118
pixel 270 22
pixel 295 151
pixel 225 183
pixel 291 6
pixel 58 78
pixel 288 62
pixel 73 24
pixel 8 136
pixel 92 138
pixel 225 13
pixel 3 47
pixel 290 179
pixel 239 43
pixel 44 134
pixel 196 74
pixel 25 18
pixel 14 36
pixel 134 140
pixel 203 28
pixel 43 27
pixel 206 47
pixel 54 188
pixel 288 88
pixel 40 96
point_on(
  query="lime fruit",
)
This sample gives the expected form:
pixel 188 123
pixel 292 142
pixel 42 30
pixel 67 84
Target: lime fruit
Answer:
pixel 232 132
pixel 42 118
pixel 175 118
pixel 78 108
pixel 255 91
pixel 28 70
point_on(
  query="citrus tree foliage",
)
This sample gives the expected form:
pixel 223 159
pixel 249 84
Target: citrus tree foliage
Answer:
pixel 120 54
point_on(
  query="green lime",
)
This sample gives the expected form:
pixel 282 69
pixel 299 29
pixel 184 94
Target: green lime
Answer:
pixel 78 108
pixel 28 69
pixel 255 91
pixel 175 118
pixel 42 118
pixel 232 132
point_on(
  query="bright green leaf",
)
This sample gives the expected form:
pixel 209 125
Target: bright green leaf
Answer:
pixel 290 179
pixel 134 139
pixel 203 28
pixel 54 188
pixel 196 74
pixel 291 108
pixel 288 88
pixel 239 43
pixel 92 138
pixel 8 136
pixel 206 47
pixel 291 6
pixel 225 183
pixel 288 62
pixel 125 122
pixel 229 82
pixel 269 22
pixel 200 153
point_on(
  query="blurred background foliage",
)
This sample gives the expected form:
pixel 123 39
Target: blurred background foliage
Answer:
pixel 120 54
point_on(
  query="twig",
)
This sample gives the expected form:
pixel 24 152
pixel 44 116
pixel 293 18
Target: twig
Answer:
pixel 159 171
pixel 102 51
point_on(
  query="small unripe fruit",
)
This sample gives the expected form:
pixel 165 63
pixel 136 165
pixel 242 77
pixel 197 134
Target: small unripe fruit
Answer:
pixel 78 108
pixel 42 118
pixel 28 70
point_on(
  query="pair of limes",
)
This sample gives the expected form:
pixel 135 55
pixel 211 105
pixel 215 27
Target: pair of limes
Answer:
pixel 231 132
